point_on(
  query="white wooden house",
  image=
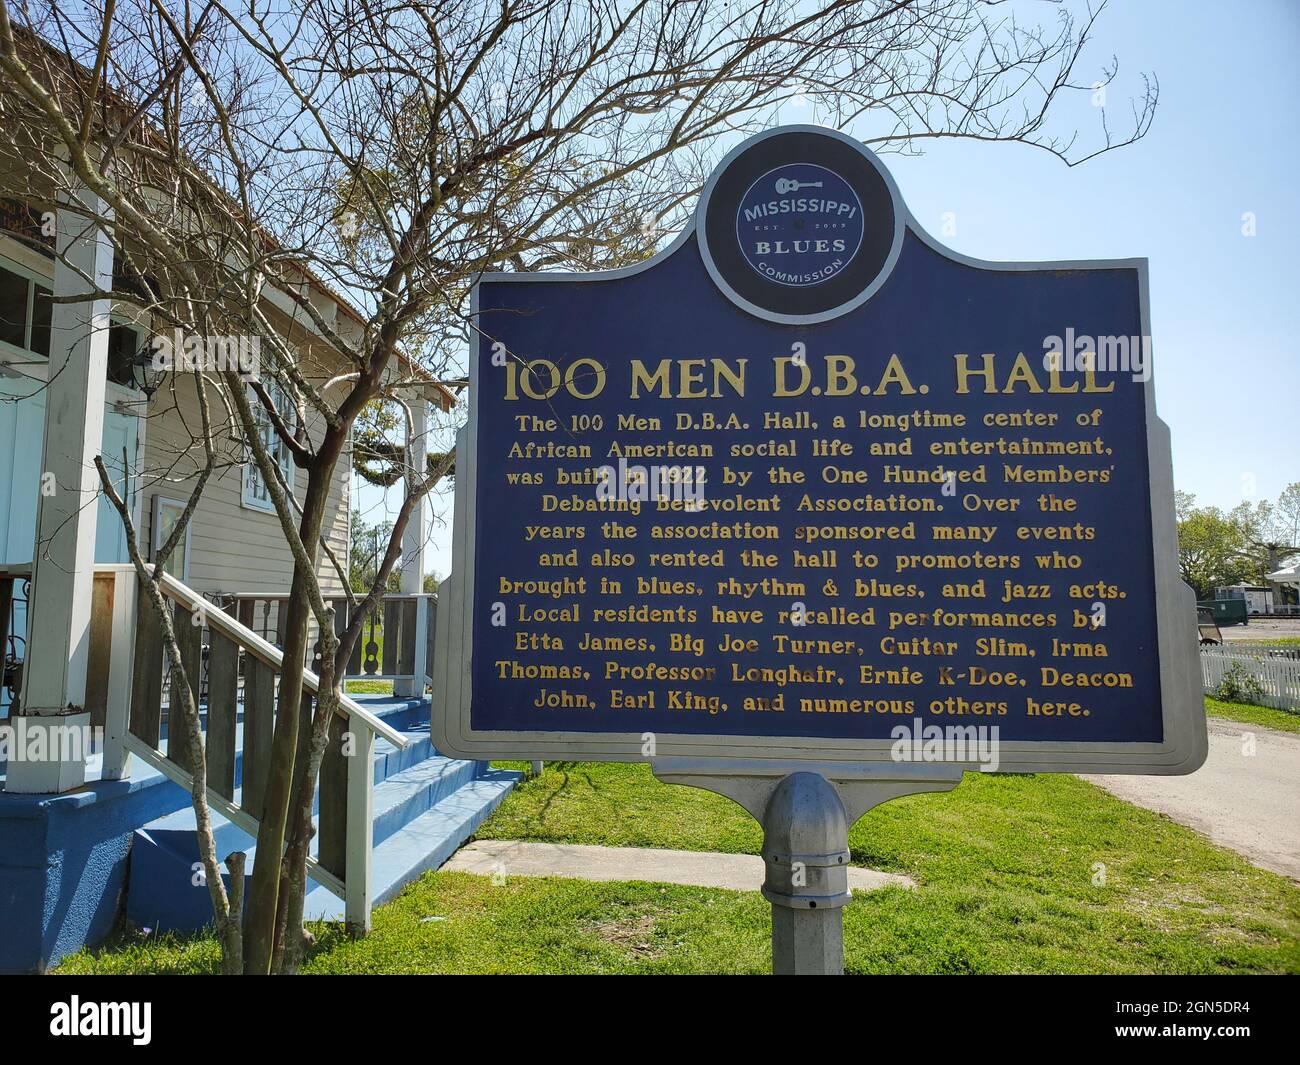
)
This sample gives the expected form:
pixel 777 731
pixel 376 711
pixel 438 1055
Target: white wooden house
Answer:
pixel 81 650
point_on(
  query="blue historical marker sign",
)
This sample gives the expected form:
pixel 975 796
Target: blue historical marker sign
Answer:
pixel 806 479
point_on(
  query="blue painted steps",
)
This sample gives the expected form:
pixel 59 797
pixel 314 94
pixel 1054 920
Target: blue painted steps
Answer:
pixel 425 807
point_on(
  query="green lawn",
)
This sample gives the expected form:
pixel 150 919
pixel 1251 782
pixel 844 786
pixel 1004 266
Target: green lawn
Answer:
pixel 521 926
pixel 1007 867
pixel 1249 714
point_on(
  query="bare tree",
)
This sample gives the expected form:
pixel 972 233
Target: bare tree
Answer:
pixel 1271 531
pixel 391 152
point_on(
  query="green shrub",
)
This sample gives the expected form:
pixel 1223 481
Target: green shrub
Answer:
pixel 1239 685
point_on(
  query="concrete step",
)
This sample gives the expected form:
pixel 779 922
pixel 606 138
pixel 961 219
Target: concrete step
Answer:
pixel 425 806
pixel 425 843
pixel 433 837
pixel 403 797
pixel 389 762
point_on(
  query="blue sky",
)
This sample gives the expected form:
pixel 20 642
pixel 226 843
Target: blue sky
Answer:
pixel 1224 307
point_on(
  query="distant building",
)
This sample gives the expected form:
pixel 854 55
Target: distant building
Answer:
pixel 1286 588
pixel 1259 597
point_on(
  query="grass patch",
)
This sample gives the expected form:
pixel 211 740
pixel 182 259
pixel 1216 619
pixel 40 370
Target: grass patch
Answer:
pixel 1249 714
pixel 619 805
pixel 1260 645
pixel 1010 871
pixel 528 926
pixel 369 687
pixel 1007 867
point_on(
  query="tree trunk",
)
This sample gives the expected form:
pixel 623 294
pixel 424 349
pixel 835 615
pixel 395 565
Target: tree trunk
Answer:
pixel 294 937
pixel 264 892
pixel 232 953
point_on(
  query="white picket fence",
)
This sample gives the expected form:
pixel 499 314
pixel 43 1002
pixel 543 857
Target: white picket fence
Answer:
pixel 1279 677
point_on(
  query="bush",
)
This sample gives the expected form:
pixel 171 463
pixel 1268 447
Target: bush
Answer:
pixel 1239 685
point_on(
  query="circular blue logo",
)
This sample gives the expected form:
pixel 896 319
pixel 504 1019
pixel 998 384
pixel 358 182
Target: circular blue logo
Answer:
pixel 799 225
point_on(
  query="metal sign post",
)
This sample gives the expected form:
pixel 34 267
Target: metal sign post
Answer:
pixel 806 813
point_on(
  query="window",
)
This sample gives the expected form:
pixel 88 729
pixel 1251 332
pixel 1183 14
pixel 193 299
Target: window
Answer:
pixel 42 319
pixel 166 513
pixel 255 494
pixel 25 310
pixel 26 314
pixel 124 343
pixel 13 309
pixel 27 225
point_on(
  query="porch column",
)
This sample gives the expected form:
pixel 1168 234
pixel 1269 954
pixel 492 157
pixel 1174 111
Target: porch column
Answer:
pixel 415 538
pixel 58 615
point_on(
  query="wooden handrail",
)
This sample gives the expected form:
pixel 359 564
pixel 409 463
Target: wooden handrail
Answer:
pixel 229 810
pixel 271 655
pixel 276 597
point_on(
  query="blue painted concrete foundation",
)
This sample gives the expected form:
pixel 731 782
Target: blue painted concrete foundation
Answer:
pixel 425 807
pixel 63 864
pixel 71 865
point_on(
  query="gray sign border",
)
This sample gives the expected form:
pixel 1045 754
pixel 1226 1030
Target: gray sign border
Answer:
pixel 1184 746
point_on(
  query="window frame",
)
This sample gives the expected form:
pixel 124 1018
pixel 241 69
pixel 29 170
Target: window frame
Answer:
pixel 121 321
pixel 33 279
pixel 250 475
pixel 157 504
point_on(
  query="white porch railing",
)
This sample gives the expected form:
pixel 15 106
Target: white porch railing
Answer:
pixel 235 668
pixel 396 642
pixel 234 651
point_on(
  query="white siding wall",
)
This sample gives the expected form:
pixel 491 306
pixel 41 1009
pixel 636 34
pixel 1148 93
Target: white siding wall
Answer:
pixel 232 548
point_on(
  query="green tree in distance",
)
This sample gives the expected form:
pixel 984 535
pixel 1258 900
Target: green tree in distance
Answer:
pixel 1218 547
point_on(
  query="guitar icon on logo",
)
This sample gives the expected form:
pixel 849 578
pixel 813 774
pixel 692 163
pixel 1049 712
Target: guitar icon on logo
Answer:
pixel 784 185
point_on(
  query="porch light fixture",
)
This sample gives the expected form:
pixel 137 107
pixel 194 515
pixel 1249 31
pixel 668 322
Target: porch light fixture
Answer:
pixel 144 377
